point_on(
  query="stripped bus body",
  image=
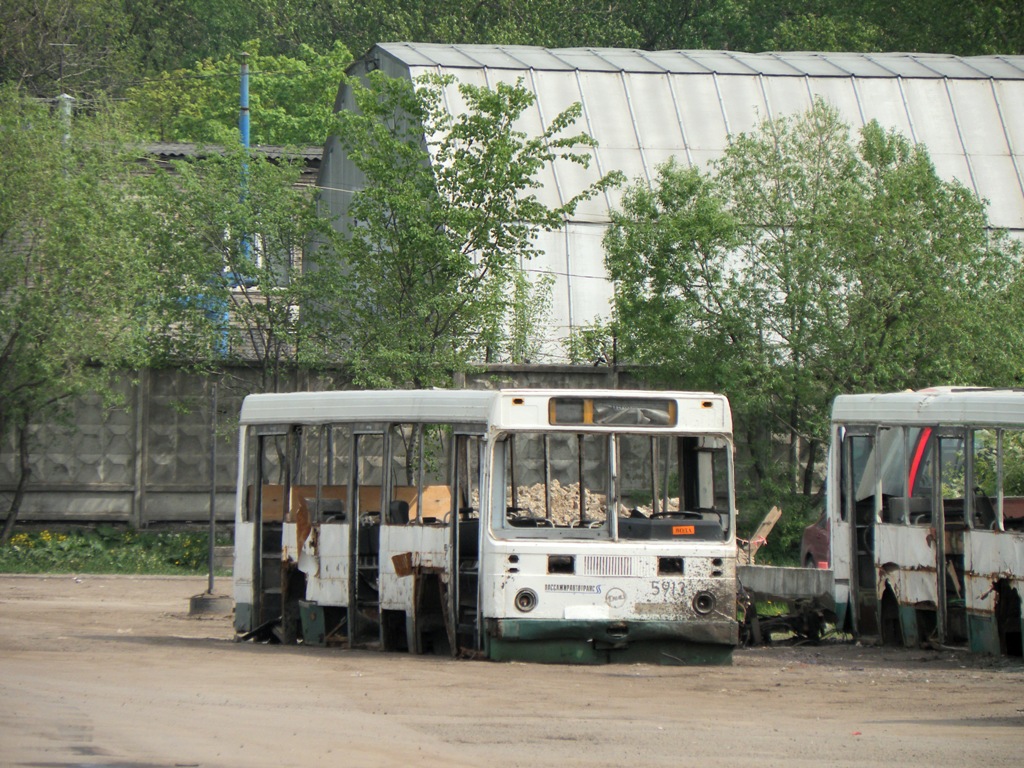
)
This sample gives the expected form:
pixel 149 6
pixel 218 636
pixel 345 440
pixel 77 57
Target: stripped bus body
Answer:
pixel 581 526
pixel 925 499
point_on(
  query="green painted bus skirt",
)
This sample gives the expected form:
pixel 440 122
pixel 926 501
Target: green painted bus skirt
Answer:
pixel 592 642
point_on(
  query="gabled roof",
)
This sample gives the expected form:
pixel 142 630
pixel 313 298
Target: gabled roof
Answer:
pixel 644 107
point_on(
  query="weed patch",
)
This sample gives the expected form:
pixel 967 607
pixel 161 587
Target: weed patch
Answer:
pixel 108 550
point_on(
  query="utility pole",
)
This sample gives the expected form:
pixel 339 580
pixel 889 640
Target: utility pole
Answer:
pixel 65 100
pixel 60 72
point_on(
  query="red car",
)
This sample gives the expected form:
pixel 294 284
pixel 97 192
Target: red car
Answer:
pixel 814 545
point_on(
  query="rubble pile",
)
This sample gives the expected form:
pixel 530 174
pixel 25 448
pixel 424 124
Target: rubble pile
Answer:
pixel 565 503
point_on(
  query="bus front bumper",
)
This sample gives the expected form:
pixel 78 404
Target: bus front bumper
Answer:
pixel 602 642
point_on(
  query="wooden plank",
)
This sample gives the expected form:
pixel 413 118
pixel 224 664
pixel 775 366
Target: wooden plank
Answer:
pixel 748 549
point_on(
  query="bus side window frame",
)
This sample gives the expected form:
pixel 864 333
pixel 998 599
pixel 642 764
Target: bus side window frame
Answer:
pixel 848 503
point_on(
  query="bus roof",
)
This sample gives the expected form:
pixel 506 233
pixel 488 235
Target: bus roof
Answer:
pixel 938 405
pixel 460 406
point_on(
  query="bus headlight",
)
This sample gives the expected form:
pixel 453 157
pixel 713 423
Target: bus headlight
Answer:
pixel 526 600
pixel 704 603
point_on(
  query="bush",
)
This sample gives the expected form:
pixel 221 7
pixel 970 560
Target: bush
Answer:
pixel 108 550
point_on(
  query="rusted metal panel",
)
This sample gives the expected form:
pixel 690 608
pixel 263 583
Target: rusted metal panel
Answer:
pixel 324 559
pixel 417 547
pixel 289 543
pixel 913 547
pixel 402 564
pixel 991 556
pixel 768 581
pixel 996 552
pixel 905 557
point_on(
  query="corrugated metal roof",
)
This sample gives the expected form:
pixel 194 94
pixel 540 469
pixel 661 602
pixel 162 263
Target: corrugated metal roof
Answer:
pixel 644 107
pixel 166 152
pixel 796 64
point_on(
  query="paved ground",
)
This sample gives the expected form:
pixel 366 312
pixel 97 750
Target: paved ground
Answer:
pixel 111 671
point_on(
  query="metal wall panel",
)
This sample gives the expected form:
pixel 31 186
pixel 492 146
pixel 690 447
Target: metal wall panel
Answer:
pixel 1000 185
pixel 981 124
pixel 745 107
pixel 609 109
pixel 933 118
pixel 954 166
pixel 591 299
pixel 584 242
pixel 559 90
pixel 882 100
pixel 652 100
pixel 658 157
pixel 703 120
pixel 783 98
pixel 1009 95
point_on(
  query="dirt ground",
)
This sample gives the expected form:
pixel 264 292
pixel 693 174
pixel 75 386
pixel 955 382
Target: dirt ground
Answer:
pixel 112 671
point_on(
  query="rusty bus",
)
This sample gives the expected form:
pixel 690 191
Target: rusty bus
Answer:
pixel 925 500
pixel 578 526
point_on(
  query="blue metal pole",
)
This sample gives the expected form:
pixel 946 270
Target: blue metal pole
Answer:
pixel 243 116
pixel 243 129
pixel 234 275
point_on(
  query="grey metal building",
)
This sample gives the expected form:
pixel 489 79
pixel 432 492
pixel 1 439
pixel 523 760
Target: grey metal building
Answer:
pixel 645 107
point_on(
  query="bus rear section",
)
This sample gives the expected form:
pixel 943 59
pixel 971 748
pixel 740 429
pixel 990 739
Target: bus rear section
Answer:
pixel 926 501
pixel 543 525
pixel 349 511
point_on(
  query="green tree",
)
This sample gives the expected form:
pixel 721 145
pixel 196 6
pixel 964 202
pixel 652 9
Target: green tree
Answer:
pixel 71 269
pixel 667 254
pixel 174 34
pixel 427 265
pixel 938 288
pixel 291 99
pixel 824 25
pixel 979 27
pixel 792 182
pixel 810 264
pixel 238 225
pixel 552 23
pixel 49 47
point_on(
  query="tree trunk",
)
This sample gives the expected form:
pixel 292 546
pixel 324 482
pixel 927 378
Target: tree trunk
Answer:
pixel 19 493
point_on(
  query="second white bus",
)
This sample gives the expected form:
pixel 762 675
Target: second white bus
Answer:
pixel 925 502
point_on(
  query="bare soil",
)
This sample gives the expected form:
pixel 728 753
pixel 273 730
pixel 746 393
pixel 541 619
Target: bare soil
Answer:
pixel 112 671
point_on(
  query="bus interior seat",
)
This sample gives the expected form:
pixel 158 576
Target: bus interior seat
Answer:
pixel 398 512
pixel 916 509
pixel 984 512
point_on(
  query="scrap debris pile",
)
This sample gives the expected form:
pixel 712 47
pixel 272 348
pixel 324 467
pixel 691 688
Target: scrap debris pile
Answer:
pixel 565 503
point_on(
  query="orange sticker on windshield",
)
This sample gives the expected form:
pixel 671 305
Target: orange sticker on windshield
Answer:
pixel 683 530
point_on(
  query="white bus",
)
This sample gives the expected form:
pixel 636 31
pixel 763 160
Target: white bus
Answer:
pixel 925 499
pixel 581 526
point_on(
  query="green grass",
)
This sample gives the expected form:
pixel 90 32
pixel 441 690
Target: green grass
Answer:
pixel 108 550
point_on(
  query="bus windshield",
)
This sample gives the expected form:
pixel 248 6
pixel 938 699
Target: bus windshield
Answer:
pixel 629 486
